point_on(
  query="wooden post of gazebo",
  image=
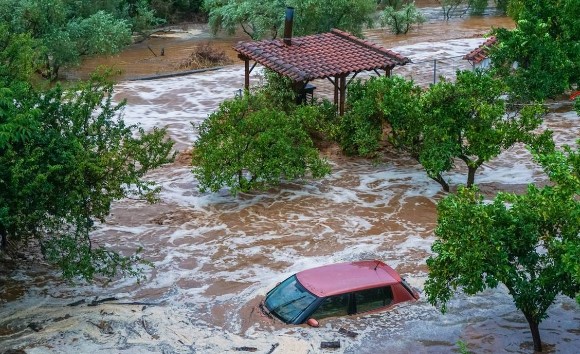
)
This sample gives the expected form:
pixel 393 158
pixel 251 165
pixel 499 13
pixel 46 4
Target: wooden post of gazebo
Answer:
pixel 342 94
pixel 247 76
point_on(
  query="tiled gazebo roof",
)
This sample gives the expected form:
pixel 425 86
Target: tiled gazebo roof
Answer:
pixel 332 54
pixel 481 52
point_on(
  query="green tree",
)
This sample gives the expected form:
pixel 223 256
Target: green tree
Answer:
pixel 529 243
pixel 66 155
pixel 65 30
pixel 401 16
pixel 451 7
pixel 540 58
pixel 17 57
pixel 100 33
pixel 265 19
pixel 319 16
pixel 466 120
pixel 248 144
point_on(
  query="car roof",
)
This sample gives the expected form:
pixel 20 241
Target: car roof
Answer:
pixel 345 277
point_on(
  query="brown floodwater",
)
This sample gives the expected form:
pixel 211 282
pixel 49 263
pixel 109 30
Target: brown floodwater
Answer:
pixel 216 256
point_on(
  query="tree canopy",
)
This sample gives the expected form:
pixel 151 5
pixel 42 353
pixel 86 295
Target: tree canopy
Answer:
pixel 465 120
pixel 248 144
pixel 530 243
pixel 64 31
pixel 400 15
pixel 265 19
pixel 540 58
pixel 66 153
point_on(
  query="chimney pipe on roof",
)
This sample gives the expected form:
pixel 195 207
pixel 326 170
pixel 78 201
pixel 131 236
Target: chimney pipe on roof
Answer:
pixel 288 25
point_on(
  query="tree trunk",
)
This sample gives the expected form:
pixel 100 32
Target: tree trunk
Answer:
pixel 3 236
pixel 439 179
pixel 471 176
pixel 534 328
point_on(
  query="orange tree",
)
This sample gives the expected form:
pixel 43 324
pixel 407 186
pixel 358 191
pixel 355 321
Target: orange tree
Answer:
pixel 249 143
pixel 530 243
pixel 66 155
pixel 466 121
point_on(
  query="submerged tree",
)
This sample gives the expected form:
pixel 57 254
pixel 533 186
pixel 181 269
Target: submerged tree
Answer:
pixel 466 120
pixel 400 16
pixel 530 243
pixel 249 144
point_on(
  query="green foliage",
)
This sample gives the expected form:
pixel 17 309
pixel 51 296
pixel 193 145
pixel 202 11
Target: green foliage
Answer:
pixel 502 5
pixel 256 18
pixel 400 18
pixel 371 105
pixel 66 156
pixel 477 7
pixel 466 120
pixel 144 18
pixel 249 144
pixel 279 90
pixel 463 347
pixel 546 47
pixel 463 120
pixel 528 242
pixel 63 31
pixel 175 11
pixel 259 19
pixel 17 57
pixel 318 16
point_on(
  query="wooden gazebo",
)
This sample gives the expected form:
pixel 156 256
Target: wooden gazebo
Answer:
pixel 333 55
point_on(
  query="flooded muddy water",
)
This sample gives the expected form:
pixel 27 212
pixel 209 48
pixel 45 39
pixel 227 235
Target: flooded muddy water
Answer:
pixel 216 256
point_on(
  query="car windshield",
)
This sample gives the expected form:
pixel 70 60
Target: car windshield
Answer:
pixel 288 300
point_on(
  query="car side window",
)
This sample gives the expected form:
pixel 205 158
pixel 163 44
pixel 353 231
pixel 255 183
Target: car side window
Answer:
pixel 332 306
pixel 371 299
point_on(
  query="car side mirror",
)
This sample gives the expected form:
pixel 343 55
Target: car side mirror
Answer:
pixel 312 322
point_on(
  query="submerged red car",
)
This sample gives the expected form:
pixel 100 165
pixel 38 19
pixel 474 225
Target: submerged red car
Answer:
pixel 337 290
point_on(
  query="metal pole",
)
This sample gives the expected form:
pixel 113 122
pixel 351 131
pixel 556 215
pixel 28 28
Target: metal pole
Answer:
pixel 434 71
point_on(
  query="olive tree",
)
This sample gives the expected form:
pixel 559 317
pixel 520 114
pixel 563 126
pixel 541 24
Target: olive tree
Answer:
pixel 66 155
pixel 265 19
pixel 400 16
pixel 249 144
pixel 530 243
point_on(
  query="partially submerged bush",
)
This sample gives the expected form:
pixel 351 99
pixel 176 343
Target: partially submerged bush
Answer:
pixel 205 56
pixel 400 16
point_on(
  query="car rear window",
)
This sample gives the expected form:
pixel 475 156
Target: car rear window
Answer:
pixel 371 299
pixel 332 306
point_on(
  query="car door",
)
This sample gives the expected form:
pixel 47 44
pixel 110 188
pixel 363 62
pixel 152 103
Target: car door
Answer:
pixel 373 299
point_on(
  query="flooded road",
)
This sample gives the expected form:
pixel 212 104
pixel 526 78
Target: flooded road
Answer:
pixel 216 256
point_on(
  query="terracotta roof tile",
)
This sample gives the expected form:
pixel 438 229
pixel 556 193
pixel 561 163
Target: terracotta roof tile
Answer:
pixel 480 53
pixel 317 56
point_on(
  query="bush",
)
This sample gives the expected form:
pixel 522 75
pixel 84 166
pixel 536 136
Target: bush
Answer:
pixel 205 56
